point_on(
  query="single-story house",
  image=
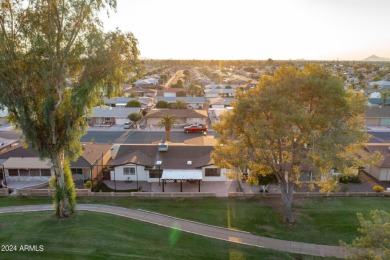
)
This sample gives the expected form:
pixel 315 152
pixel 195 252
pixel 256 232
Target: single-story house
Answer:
pixel 165 163
pixel 215 113
pixel 375 99
pixel 221 86
pixel 193 102
pixel 221 102
pixel 170 92
pixel 147 82
pixel 90 164
pixel 182 116
pixel 378 116
pixel 380 170
pixel 214 93
pixel 108 116
pixel 146 102
pixel 141 91
pixel 382 84
pixel 24 163
pixel 6 144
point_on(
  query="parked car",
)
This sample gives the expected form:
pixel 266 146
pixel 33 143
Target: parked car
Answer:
pixel 195 128
pixel 128 125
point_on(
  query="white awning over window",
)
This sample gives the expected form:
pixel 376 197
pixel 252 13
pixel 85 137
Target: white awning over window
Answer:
pixel 182 175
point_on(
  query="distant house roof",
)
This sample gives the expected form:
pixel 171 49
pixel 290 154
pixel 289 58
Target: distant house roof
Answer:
pixel 178 113
pixel 378 112
pixel 176 157
pixel 221 101
pixel 140 89
pixel 19 152
pixel 378 101
pixel 380 83
pixel 6 142
pixel 91 153
pixel 185 99
pixel 114 111
pixel 385 152
pixel 219 86
pixel 148 81
pixel 124 100
pixel 224 91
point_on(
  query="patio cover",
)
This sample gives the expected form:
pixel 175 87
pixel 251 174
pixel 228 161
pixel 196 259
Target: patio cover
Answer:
pixel 182 175
pixel 26 163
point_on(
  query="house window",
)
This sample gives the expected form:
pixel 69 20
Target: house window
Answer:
pixel 77 171
pixel 13 172
pixel 24 172
pixel 35 172
pixel 212 172
pixel 45 172
pixel 155 173
pixel 107 119
pixel 128 170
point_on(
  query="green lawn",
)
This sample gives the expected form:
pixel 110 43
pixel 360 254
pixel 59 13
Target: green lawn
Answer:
pixel 89 235
pixel 321 221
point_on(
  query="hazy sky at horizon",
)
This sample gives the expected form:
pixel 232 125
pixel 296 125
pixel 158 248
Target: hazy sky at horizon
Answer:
pixel 256 29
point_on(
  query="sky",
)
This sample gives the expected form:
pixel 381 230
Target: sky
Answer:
pixel 256 29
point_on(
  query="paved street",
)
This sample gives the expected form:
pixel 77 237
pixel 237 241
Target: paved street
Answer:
pixel 138 137
pixel 113 134
pixel 101 137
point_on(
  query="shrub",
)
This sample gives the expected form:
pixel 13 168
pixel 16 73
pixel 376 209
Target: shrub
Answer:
pixel 88 185
pixel 349 178
pixel 378 188
pixel 52 182
pixel 162 104
pixel 133 103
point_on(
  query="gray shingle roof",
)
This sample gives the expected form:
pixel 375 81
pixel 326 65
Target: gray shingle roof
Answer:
pixel 175 158
pixel 380 111
pixel 114 111
pixel 178 113
pixel 91 152
pixel 185 99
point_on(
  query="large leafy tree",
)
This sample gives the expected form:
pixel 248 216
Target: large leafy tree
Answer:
pixel 294 121
pixel 135 117
pixel 54 61
pixel 195 90
pixel 167 121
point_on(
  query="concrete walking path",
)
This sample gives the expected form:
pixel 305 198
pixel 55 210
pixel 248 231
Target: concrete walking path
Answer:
pixel 240 237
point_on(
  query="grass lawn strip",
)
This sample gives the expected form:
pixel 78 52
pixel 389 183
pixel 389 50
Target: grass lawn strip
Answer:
pixel 319 221
pixel 103 236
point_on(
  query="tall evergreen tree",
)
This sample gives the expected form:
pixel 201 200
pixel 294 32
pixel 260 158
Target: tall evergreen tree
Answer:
pixel 54 61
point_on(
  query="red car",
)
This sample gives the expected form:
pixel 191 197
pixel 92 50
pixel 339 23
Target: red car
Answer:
pixel 195 128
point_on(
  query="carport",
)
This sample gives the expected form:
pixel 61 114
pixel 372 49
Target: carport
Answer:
pixel 180 175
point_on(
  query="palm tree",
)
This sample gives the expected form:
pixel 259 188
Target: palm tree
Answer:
pixel 167 121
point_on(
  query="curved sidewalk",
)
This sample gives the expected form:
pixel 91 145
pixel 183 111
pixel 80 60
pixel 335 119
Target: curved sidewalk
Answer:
pixel 239 237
